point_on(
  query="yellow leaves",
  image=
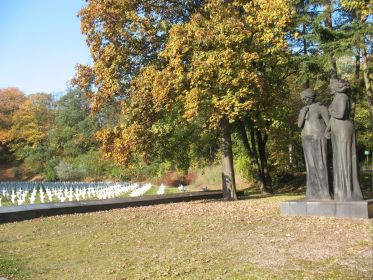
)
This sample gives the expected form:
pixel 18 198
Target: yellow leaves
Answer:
pixel 32 119
pixel 192 103
pixel 4 136
pixel 10 100
pixel 123 143
pixel 364 6
pixel 268 19
pixel 219 66
pixel 354 4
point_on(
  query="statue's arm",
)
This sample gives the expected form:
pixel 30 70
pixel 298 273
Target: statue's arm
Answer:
pixel 302 116
pixel 339 107
pixel 325 116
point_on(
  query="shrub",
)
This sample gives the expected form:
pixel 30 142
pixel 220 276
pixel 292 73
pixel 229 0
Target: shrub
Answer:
pixel 115 172
pixel 281 175
pixel 50 170
pixel 91 164
pixel 173 179
pixel 67 172
pixel 190 178
pixel 244 167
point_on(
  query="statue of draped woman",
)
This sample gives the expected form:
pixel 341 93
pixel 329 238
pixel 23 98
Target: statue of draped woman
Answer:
pixel 313 120
pixel 342 132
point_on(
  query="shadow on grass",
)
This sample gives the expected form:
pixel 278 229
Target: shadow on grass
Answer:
pixel 294 187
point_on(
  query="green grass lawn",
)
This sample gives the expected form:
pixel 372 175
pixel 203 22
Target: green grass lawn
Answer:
pixel 246 239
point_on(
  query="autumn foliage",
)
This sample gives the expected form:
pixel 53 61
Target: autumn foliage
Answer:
pixel 212 65
pixel 175 84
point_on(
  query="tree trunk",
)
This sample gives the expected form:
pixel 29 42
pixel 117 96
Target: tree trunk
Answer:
pixel 305 52
pixel 228 178
pixel 262 141
pixel 368 85
pixel 249 151
pixel 245 140
pixel 356 89
pixel 259 174
pixel 328 23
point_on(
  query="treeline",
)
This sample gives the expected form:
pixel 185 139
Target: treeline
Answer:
pixel 53 138
pixel 181 85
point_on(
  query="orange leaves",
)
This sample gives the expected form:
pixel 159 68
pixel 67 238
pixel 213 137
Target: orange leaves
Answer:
pixel 10 101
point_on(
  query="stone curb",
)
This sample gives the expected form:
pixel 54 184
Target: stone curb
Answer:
pixel 32 211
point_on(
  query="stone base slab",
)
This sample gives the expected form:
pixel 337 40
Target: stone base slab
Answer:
pixel 351 209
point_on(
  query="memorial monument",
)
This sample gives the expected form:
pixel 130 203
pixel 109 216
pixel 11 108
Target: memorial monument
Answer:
pixel 319 124
pixel 342 131
pixel 313 120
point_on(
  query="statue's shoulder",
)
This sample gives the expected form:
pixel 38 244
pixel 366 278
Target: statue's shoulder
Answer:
pixel 344 96
pixel 341 96
pixel 320 105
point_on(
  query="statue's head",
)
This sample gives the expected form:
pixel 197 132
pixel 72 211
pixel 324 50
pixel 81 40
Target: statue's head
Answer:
pixel 308 96
pixel 338 85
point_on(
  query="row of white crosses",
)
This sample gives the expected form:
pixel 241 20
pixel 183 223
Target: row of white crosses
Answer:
pixel 27 192
pixel 20 193
pixel 140 190
pixel 161 189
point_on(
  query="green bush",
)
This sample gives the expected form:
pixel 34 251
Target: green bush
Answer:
pixel 92 164
pixel 117 173
pixel 97 168
pixel 50 169
pixel 67 172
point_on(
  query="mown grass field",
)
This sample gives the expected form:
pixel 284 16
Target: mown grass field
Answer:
pixel 246 239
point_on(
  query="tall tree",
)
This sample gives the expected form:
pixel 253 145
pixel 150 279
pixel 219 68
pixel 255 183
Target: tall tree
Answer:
pixel 222 66
pixel 29 132
pixel 74 128
pixel 362 29
pixel 213 70
pixel 10 101
pixel 124 36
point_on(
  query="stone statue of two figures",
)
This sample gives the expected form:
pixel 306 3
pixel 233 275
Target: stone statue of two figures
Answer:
pixel 319 124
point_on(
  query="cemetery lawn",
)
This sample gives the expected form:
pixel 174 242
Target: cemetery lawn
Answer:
pixel 247 239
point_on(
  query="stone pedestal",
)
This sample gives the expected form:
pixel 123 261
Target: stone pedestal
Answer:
pixel 352 209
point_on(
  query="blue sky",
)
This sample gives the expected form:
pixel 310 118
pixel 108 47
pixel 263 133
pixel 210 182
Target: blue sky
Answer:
pixel 40 44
